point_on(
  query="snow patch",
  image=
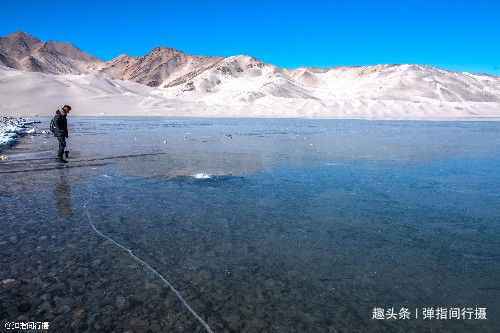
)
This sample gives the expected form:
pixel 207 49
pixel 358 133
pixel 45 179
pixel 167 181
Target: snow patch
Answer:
pixel 201 175
pixel 13 128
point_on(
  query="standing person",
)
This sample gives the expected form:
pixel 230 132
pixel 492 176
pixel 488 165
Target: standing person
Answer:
pixel 59 126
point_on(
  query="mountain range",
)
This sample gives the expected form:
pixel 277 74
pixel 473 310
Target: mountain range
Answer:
pixel 37 76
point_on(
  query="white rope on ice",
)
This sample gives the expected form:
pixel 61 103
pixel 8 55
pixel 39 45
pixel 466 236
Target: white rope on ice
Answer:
pixel 154 271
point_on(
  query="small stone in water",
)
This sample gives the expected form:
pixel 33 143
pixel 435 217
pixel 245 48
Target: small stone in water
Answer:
pixel 24 307
pixel 8 283
pixel 121 302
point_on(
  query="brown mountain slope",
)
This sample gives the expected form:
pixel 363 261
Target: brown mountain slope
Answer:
pixel 25 52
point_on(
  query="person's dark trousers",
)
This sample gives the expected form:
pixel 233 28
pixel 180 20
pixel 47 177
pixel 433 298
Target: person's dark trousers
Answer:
pixel 62 145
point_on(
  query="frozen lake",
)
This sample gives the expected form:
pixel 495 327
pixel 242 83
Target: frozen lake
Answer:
pixel 262 225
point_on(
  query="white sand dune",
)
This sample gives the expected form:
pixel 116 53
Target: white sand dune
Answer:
pixel 31 93
pixel 376 92
pixel 397 92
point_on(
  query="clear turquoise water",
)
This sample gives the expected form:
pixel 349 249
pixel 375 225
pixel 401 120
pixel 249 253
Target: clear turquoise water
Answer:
pixel 303 226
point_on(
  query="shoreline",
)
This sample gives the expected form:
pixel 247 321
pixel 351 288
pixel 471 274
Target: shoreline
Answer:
pixel 33 118
pixel 13 128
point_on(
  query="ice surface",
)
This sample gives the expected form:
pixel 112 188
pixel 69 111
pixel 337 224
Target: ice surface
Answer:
pixel 285 236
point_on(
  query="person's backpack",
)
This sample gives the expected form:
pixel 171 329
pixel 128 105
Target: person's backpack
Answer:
pixel 53 125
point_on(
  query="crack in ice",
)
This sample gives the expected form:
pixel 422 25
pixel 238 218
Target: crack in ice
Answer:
pixel 154 271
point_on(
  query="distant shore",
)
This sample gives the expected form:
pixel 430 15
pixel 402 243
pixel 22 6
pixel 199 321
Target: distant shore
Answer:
pixel 34 117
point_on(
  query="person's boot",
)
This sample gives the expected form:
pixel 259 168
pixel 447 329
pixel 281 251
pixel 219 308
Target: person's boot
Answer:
pixel 60 159
pixel 66 154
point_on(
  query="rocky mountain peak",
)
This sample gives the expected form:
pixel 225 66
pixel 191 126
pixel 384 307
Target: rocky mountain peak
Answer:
pixel 22 37
pixel 18 44
pixel 25 52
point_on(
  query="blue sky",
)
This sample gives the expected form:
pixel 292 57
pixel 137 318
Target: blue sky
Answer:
pixel 461 35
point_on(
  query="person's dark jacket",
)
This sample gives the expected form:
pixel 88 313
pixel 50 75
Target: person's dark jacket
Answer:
pixel 60 124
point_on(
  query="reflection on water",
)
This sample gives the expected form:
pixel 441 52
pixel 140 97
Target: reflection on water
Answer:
pixel 262 225
pixel 62 194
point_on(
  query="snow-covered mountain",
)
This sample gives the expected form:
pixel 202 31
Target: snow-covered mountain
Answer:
pixel 169 82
